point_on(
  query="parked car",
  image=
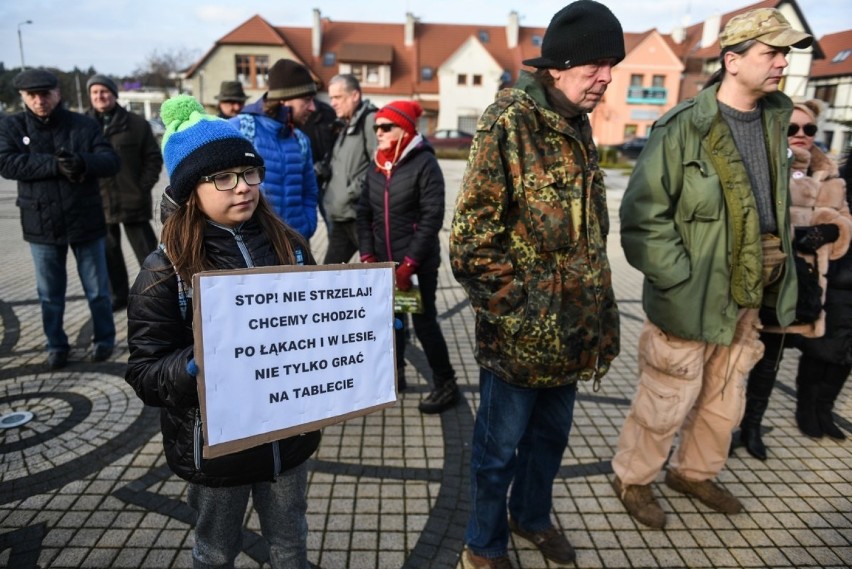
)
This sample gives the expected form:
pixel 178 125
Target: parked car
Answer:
pixel 450 138
pixel 633 147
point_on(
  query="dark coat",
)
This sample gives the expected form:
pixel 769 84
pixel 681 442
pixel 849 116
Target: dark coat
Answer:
pixel 54 210
pixel 409 225
pixel 127 196
pixel 161 343
pixel 835 346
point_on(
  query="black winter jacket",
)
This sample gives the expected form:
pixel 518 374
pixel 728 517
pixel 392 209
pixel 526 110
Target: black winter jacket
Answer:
pixel 54 210
pixel 161 344
pixel 835 346
pixel 401 216
pixel 127 195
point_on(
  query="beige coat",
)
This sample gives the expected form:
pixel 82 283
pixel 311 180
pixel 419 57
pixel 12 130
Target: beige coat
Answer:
pixel 816 198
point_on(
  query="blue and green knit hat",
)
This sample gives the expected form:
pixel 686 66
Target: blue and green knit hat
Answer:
pixel 196 144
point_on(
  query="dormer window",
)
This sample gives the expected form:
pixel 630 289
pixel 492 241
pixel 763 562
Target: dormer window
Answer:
pixel 842 55
pixel 427 73
pixel 536 40
pixel 329 59
pixel 484 36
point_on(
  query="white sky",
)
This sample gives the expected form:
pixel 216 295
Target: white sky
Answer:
pixel 117 36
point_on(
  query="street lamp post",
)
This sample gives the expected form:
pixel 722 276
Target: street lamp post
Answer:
pixel 21 42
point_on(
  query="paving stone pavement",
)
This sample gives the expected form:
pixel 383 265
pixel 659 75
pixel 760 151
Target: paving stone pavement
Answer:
pixel 85 484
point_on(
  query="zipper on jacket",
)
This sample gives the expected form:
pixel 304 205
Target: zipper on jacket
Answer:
pixel 196 440
pixel 387 219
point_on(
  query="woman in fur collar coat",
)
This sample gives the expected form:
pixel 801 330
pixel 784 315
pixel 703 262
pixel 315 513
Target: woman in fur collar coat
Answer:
pixel 820 216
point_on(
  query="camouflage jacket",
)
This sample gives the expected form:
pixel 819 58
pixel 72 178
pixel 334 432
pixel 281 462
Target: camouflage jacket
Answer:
pixel 528 244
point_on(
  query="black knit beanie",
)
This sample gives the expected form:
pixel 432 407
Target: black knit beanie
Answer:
pixel 582 32
pixel 290 80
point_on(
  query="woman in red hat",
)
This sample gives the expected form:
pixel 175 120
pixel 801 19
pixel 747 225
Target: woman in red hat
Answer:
pixel 400 213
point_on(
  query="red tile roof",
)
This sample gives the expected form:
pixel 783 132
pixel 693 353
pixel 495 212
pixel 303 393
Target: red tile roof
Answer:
pixel 834 45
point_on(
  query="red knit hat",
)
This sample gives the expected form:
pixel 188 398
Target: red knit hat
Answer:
pixel 404 114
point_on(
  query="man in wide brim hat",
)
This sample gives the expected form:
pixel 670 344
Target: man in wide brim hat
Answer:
pixel 231 99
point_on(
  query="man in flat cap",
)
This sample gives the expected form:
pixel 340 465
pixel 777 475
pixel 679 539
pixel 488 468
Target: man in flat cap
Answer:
pixel 528 244
pixel 57 157
pixel 271 124
pixel 126 196
pixel 231 99
pixel 705 218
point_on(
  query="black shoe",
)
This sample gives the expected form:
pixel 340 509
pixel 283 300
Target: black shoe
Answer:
pixel 552 544
pixel 827 425
pixel 101 352
pixel 752 441
pixel 441 398
pixel 57 360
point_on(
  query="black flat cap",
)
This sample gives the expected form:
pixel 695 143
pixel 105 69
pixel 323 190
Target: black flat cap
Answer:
pixel 35 80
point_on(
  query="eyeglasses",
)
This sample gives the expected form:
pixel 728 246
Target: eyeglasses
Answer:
pixel 810 129
pixel 386 127
pixel 225 181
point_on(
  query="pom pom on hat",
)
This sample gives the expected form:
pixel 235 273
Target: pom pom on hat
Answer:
pixel 196 144
pixel 404 114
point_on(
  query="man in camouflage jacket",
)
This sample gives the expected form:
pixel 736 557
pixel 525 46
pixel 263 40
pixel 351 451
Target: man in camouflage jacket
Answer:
pixel 528 244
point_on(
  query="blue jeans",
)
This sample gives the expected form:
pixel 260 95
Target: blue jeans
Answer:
pixel 519 437
pixel 52 283
pixel 281 507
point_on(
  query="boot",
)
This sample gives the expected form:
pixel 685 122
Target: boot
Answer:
pixel 443 397
pixel 806 396
pixel 761 380
pixel 829 388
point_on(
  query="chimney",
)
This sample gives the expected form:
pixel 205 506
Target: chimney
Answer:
pixel 679 34
pixel 410 20
pixel 512 30
pixel 316 34
pixel 711 30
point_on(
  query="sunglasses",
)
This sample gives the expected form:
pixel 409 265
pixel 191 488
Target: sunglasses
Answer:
pixel 386 127
pixel 225 181
pixel 810 129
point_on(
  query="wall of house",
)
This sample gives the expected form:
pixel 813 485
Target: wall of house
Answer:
pixel 627 112
pixel 462 104
pixel 838 136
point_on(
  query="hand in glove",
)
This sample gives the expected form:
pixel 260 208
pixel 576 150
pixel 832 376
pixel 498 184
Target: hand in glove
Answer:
pixel 369 258
pixel 70 165
pixel 809 239
pixel 404 272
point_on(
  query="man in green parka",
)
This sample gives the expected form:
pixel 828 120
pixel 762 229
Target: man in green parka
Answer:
pixel 705 218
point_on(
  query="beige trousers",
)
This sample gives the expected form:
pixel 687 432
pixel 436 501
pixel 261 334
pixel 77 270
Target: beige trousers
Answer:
pixel 688 387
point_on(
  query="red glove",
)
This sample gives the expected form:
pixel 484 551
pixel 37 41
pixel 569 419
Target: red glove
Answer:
pixel 369 258
pixel 404 272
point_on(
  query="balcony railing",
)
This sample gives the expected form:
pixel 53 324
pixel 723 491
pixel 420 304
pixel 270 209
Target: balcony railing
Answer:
pixel 647 95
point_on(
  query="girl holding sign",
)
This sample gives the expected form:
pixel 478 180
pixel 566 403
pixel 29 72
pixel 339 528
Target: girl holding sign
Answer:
pixel 219 220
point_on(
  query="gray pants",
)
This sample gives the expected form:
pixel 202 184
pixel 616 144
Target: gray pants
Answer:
pixel 281 507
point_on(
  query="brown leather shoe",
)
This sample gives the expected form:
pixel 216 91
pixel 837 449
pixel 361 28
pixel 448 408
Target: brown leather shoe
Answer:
pixel 705 491
pixel 472 561
pixel 552 544
pixel 640 503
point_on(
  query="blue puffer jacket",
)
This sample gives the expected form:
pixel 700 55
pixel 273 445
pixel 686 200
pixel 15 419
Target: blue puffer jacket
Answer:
pixel 290 185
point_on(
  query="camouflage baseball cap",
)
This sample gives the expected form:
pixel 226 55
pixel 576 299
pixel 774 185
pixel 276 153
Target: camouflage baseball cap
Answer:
pixel 766 25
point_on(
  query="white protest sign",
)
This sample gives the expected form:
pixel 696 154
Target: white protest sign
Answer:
pixel 290 349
